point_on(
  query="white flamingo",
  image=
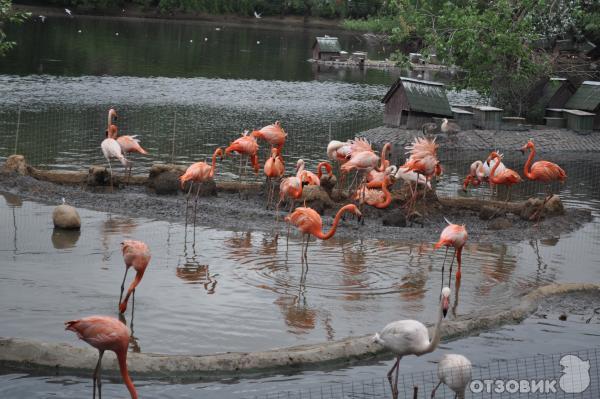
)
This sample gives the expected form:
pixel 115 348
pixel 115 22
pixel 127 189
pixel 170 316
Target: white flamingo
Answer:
pixel 455 372
pixel 112 149
pixel 410 337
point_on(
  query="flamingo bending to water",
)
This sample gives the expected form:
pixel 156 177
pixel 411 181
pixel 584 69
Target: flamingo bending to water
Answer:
pixel 136 254
pixel 309 222
pixel 375 178
pixel 543 171
pixel 245 145
pixel 105 333
pixel 199 172
pixel 455 371
pixel 455 236
pixel 375 198
pixel 411 337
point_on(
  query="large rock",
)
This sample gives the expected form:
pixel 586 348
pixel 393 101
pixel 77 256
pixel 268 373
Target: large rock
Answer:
pixel 316 197
pixel 553 207
pixel 15 164
pixel 66 217
pixel 328 183
pixel 500 224
pixel 164 178
pixel 489 212
pixel 98 176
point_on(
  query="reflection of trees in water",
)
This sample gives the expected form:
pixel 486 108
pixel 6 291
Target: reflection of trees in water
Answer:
pixel 412 284
pixel 354 266
pixel 497 265
pixel 115 226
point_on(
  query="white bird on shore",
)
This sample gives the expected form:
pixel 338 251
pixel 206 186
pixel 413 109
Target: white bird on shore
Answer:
pixel 42 18
pixel 69 13
pixel 411 177
pixel 257 15
pixel 411 337
pixel 454 371
pixel 111 149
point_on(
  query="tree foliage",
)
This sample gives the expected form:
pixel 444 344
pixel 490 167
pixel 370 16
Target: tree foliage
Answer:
pixel 7 15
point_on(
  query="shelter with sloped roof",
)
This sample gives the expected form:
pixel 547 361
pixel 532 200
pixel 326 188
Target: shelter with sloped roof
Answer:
pixel 326 48
pixel 411 102
pixel 587 98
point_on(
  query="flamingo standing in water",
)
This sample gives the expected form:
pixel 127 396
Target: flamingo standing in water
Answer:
pixel 272 134
pixel 309 222
pixel 411 337
pixel 274 169
pixel 105 333
pixel 455 371
pixel 197 173
pixel 507 177
pixel 136 254
pixel 453 235
pixel 543 171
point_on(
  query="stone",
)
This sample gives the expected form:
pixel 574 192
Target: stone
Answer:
pixel 316 197
pixel 530 207
pixel 204 189
pixel 15 164
pixel 98 176
pixel 489 212
pixel 66 217
pixel 554 206
pixel 500 224
pixel 164 178
pixel 395 218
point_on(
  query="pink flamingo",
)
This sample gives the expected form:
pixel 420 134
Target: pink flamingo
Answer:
pixel 105 333
pixel 272 134
pixel 274 169
pixel 453 235
pixel 423 161
pixel 310 178
pixel 199 172
pixel 245 145
pixel 543 171
pixel 507 177
pixel 329 180
pixel 136 254
pixel 376 198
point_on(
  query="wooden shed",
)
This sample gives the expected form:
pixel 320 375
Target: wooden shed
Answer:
pixel 463 117
pixel 486 117
pixel 580 121
pixel 411 103
pixel 326 48
pixel 587 98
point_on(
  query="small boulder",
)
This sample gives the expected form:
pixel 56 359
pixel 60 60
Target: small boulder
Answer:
pixel 554 206
pixel 66 217
pixel 500 224
pixel 328 183
pixel 98 176
pixel 15 164
pixel 316 197
pixel 531 206
pixel 164 178
pixel 395 218
pixel 488 212
pixel 204 189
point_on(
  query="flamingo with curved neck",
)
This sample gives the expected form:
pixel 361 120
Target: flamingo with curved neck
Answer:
pixel 384 162
pixel 375 198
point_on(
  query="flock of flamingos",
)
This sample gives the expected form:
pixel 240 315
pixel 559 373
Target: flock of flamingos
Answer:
pixel 403 337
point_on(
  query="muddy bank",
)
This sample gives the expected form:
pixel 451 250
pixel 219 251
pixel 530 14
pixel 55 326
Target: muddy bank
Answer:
pixel 246 212
pixel 20 354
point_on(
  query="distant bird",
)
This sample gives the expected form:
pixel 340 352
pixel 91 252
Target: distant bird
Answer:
pixel 79 31
pixel 456 372
pixel 111 149
pixel 258 42
pixel 217 29
pixel 257 15
pixel 309 222
pixel 69 13
pixel 116 33
pixel 191 41
pixel 42 18
pixel 429 128
pixel 455 236
pixel 206 39
pixel 274 169
pixel 376 198
pixel 411 337
pixel 507 177
pixel 449 128
pixel 199 172
pixel 136 254
pixel 272 134
pixel 105 333
pixel 542 171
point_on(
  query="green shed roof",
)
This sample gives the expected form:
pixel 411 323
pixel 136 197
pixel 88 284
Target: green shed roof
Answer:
pixel 328 44
pixel 586 98
pixel 423 96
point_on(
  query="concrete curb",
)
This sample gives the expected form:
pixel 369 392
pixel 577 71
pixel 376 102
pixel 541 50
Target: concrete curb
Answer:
pixel 43 357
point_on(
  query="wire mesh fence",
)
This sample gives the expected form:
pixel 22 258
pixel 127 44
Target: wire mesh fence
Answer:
pixel 560 375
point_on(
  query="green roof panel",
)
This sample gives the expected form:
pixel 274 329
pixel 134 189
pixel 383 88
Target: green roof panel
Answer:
pixel 329 44
pixel 424 96
pixel 586 98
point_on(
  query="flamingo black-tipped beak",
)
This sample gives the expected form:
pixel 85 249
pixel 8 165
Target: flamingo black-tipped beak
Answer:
pixel 445 305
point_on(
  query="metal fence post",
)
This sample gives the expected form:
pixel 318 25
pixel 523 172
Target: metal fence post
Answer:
pixel 173 145
pixel 17 132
